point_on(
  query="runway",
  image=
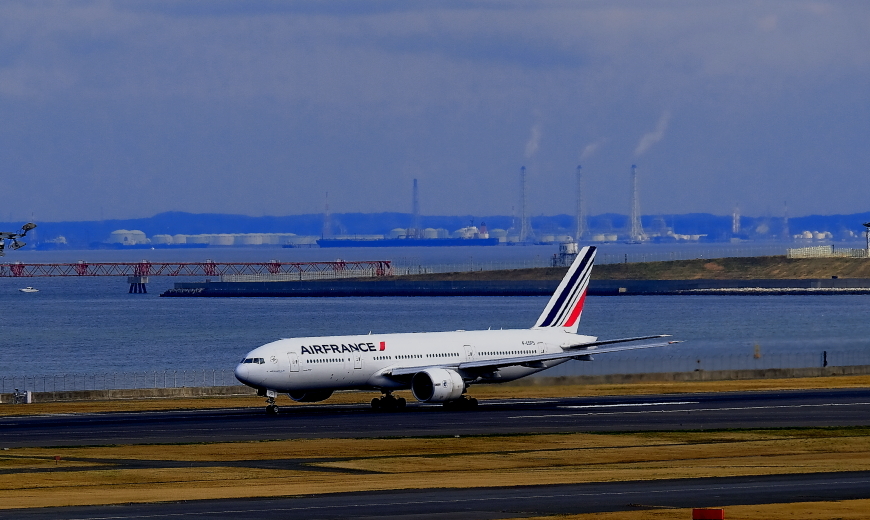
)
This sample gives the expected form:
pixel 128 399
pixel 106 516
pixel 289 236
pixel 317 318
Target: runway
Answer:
pixel 810 408
pixel 493 503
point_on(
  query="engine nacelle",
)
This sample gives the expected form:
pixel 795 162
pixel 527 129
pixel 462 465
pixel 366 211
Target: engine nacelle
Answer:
pixel 437 385
pixel 309 396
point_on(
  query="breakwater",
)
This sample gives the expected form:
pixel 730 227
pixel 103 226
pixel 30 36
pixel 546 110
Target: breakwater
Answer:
pixel 399 287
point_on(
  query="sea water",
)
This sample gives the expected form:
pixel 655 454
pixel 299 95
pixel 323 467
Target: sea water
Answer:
pixel 90 325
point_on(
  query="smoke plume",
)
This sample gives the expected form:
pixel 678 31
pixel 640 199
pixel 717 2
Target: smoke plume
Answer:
pixel 534 141
pixel 589 150
pixel 651 138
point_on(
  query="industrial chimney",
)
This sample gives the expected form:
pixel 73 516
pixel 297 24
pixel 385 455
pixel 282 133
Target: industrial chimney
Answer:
pixel 580 225
pixel 415 203
pixel 635 233
pixel 525 229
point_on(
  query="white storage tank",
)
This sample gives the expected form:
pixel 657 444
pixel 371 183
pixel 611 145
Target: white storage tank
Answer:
pixel 221 239
pixel 179 239
pixel 119 236
pixel 161 240
pixel 250 239
pixel 127 237
pixel 430 233
pixel 198 239
pixel 398 233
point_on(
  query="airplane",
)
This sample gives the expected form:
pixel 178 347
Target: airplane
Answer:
pixel 438 367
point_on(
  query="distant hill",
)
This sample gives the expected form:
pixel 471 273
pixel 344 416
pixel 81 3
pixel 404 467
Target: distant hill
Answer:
pixel 715 227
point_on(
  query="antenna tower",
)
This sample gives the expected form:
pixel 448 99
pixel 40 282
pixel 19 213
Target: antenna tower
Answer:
pixel 635 233
pixel 581 209
pixel 786 234
pixel 327 224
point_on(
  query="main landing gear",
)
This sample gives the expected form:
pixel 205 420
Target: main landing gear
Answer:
pixel 388 403
pixel 463 403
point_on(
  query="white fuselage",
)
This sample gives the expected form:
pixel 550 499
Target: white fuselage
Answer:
pixel 361 362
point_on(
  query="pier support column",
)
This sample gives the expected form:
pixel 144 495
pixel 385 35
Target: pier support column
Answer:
pixel 137 284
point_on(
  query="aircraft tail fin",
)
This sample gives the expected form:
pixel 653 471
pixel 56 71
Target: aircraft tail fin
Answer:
pixel 565 306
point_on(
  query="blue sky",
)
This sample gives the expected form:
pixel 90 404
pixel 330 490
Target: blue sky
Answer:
pixel 127 109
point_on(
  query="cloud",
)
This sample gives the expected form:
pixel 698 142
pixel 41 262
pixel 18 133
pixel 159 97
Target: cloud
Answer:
pixel 651 138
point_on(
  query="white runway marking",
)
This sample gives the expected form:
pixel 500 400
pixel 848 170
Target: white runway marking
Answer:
pixel 671 403
pixel 733 408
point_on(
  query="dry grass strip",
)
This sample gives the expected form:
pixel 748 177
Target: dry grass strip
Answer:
pixel 840 510
pixel 387 464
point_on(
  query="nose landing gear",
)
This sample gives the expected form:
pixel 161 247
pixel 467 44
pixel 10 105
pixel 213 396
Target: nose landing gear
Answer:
pixel 271 407
pixel 388 403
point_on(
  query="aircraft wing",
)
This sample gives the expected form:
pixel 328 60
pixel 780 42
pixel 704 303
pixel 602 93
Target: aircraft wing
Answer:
pixel 536 358
pixel 620 340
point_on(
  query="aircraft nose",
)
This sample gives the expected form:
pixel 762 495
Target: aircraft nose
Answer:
pixel 241 372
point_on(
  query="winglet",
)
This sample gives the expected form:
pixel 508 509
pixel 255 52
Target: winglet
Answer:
pixel 565 306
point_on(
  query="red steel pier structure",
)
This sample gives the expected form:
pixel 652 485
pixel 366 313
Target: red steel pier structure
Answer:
pixel 137 273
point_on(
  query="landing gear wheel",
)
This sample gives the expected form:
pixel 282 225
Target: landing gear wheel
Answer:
pixel 388 403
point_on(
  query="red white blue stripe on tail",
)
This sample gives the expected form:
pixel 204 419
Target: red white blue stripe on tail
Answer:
pixel 565 306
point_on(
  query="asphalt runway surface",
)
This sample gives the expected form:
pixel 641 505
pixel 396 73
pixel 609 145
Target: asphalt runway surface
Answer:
pixel 810 408
pixel 493 503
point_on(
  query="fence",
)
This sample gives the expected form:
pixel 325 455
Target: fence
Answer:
pixel 825 252
pixel 118 380
pixel 605 364
pixel 651 362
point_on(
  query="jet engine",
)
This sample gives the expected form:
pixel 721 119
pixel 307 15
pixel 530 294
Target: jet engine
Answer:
pixel 437 385
pixel 309 396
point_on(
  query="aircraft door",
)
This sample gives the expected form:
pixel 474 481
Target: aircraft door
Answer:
pixel 469 353
pixel 357 360
pixel 294 361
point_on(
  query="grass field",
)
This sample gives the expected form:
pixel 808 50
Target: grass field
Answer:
pixel 843 510
pixel 32 477
pixel 762 267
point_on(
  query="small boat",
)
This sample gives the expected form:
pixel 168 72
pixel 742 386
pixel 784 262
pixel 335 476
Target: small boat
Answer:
pixel 29 289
